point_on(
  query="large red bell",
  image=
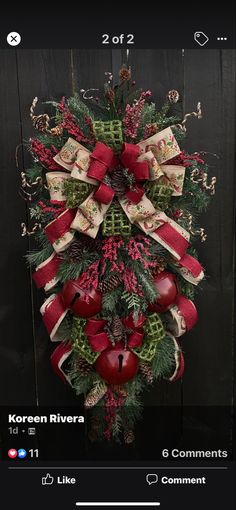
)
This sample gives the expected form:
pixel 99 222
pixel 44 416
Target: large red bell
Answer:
pixel 84 303
pixel 167 288
pixel 117 364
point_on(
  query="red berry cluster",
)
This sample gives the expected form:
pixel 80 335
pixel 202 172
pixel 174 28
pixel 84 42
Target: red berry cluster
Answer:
pixel 44 154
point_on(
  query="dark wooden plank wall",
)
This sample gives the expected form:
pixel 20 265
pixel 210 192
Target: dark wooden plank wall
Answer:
pixel 208 75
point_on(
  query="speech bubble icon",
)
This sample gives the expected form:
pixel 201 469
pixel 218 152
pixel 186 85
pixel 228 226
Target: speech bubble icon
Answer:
pixel 151 478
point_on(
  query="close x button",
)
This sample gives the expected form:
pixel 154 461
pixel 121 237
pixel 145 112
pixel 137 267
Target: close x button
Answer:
pixel 13 38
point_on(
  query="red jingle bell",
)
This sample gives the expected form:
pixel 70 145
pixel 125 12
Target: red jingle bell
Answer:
pixel 84 303
pixel 167 288
pixel 117 364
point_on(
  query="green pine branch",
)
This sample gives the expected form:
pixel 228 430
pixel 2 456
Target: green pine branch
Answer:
pixel 164 360
pixel 36 257
pixel 146 281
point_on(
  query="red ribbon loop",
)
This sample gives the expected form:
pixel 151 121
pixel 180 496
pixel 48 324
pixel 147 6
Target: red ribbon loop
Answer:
pixel 188 311
pixel 191 264
pixel 172 238
pixel 135 338
pixel 101 160
pixel 104 194
pixel 46 271
pixel 131 324
pixel 59 355
pixel 98 338
pixel 60 226
pixel 129 156
pixel 135 194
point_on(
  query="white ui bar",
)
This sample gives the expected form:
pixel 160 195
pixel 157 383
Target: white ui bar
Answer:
pixel 117 503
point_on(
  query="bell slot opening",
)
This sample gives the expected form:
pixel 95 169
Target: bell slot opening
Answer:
pixel 76 296
pixel 120 360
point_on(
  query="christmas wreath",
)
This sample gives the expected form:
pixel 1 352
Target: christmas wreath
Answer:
pixel 114 200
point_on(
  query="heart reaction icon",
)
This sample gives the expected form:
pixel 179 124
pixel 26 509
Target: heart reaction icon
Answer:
pixel 12 453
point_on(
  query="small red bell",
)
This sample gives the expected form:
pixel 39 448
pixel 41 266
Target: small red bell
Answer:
pixel 167 288
pixel 117 364
pixel 81 302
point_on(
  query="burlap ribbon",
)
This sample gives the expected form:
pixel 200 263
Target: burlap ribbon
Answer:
pixel 145 162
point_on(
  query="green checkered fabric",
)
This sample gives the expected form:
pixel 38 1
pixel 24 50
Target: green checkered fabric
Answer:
pixel 116 222
pixel 80 342
pixel 159 194
pixel 110 133
pixel 154 333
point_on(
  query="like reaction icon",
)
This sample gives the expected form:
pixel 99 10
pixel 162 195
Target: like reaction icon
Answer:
pixel 21 453
pixel 47 480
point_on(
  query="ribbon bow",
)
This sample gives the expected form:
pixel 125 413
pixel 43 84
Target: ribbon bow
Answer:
pixel 101 160
pixel 98 337
pixel 143 161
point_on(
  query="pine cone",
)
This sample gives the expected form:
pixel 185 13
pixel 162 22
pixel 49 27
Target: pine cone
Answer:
pixel 125 73
pixel 150 130
pixel 57 130
pixel 89 243
pixel 96 394
pixel 110 283
pixel 129 436
pixel 161 265
pixel 117 329
pixel 41 122
pixel 173 96
pixel 118 181
pixel 82 366
pixel 146 371
pixel 110 95
pixel 74 251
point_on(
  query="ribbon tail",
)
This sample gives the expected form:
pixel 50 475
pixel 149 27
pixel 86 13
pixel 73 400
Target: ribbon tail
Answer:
pixel 179 361
pixel 53 312
pixel 58 357
pixel 190 269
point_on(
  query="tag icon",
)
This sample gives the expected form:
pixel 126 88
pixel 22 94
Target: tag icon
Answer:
pixel 201 38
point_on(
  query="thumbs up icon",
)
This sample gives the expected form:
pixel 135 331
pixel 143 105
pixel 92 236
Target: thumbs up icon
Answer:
pixel 47 480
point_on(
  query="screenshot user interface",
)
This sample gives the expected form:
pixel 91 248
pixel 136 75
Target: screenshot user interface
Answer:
pixel 117 262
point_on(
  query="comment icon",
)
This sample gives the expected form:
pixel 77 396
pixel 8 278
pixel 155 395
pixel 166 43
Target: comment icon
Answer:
pixel 151 478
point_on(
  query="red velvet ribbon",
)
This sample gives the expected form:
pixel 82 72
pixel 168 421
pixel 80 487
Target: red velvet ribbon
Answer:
pixel 135 194
pixel 104 194
pixel 140 169
pixel 60 226
pixel 191 264
pixel 99 339
pixel 188 311
pixel 135 337
pixel 59 355
pixel 101 160
pixel 172 238
pixel 53 313
pixel 129 156
pixel 47 272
